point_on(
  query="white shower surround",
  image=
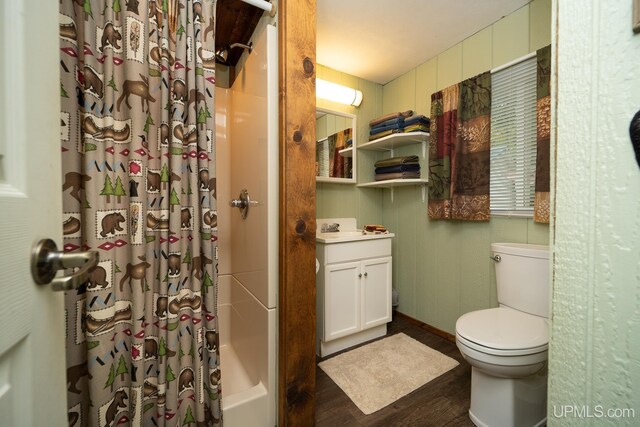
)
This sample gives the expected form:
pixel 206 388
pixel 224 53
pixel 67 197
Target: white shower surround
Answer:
pixel 247 157
pixel 247 334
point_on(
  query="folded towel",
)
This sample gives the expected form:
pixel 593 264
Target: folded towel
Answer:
pixel 396 121
pixel 416 119
pixel 375 228
pixel 377 130
pixel 394 161
pixel 396 175
pixel 407 167
pixel 383 134
pixel 416 128
pixel 390 116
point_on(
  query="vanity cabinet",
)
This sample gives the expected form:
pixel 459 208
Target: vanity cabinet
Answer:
pixel 353 293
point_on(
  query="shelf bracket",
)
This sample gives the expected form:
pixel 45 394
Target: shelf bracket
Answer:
pixel 391 194
pixel 424 149
pixel 424 192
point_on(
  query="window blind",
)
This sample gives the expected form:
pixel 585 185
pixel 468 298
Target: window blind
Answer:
pixel 322 157
pixel 513 139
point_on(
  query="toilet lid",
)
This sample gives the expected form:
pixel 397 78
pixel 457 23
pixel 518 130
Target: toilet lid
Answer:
pixel 504 329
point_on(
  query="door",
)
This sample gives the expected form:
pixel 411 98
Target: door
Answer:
pixel 342 300
pixel 595 236
pixel 32 352
pixel 376 292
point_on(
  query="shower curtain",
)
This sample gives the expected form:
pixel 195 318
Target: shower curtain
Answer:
pixel 459 151
pixel 138 142
pixel 542 203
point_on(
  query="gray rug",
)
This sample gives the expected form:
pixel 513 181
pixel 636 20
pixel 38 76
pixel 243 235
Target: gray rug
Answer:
pixel 378 374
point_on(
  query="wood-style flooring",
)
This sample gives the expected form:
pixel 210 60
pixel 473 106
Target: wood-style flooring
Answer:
pixel 441 402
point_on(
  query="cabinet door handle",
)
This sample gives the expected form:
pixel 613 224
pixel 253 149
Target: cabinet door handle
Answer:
pixel 366 274
pixel 360 275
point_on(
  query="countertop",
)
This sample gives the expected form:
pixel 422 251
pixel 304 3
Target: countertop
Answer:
pixel 349 236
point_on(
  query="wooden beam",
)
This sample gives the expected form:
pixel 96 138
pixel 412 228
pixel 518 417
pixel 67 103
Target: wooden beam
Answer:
pixel 297 293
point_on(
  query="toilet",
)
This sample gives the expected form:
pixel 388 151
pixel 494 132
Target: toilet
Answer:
pixel 507 346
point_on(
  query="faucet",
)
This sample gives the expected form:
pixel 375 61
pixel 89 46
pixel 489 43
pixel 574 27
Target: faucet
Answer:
pixel 330 228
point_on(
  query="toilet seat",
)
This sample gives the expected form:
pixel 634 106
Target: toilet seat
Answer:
pixel 503 331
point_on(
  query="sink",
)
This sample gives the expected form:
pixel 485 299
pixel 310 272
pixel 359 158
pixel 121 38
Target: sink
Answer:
pixel 349 236
pixel 340 234
pixel 350 231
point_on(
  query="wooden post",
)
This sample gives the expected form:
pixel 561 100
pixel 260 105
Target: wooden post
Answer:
pixel 297 293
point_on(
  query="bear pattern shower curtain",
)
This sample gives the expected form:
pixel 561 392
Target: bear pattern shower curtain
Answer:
pixel 138 146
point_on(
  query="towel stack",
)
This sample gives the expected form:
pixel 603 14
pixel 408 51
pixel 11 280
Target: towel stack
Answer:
pixel 417 123
pixel 397 123
pixel 405 167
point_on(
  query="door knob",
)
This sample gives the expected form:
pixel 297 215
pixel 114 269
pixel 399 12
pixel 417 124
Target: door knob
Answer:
pixel 46 260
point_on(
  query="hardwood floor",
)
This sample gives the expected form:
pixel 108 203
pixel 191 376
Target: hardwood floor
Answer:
pixel 441 402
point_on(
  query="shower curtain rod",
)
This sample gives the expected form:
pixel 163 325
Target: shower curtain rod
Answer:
pixel 264 5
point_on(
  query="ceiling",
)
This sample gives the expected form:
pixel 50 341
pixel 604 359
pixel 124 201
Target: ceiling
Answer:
pixel 379 40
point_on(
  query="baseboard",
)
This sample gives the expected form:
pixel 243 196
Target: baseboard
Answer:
pixel 427 327
pixel 326 348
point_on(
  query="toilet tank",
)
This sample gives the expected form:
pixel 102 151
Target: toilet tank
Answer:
pixel 522 276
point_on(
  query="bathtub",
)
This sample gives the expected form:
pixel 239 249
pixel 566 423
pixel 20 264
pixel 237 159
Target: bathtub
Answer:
pixel 247 352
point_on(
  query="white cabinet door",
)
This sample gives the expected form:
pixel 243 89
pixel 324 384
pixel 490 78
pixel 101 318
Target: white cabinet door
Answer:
pixel 376 292
pixel 342 300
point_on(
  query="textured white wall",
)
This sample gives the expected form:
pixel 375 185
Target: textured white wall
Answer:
pixel 595 344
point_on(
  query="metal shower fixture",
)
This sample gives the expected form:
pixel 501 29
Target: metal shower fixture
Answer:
pixel 223 54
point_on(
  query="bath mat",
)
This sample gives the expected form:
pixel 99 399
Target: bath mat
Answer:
pixel 378 374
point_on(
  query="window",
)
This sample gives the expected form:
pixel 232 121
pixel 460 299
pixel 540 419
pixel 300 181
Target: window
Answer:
pixel 513 139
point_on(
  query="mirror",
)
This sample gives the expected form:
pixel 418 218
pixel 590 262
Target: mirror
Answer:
pixel 335 146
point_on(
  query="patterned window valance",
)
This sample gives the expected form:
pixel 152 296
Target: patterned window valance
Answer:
pixel 459 148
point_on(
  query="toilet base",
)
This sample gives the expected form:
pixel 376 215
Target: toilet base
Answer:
pixel 508 402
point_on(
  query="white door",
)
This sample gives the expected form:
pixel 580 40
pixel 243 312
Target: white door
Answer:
pixel 376 292
pixel 342 300
pixel 32 341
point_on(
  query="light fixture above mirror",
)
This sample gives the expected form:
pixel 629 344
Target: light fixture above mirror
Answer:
pixel 338 93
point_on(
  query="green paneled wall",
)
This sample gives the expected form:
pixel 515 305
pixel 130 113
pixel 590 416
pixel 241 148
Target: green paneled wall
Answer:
pixel 441 269
pixel 330 124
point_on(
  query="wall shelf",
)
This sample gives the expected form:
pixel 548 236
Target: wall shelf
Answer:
pixel 346 152
pixel 390 183
pixel 331 180
pixel 389 144
pixel 396 140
